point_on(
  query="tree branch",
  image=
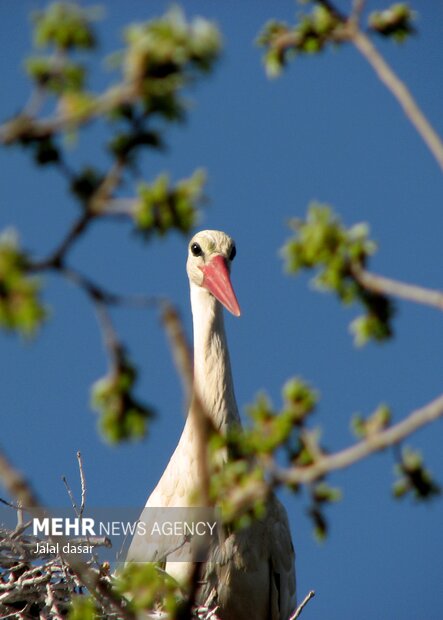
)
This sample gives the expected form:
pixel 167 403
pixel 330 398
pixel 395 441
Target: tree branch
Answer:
pixel 371 444
pixel 387 286
pixel 302 605
pixel 400 92
pixel 57 257
pixel 351 31
pixel 29 127
pixel 82 483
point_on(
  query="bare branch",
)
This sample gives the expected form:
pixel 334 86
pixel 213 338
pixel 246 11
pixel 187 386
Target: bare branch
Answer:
pixel 302 605
pixel 372 443
pixel 99 200
pixel 82 483
pixel 387 286
pixel 30 127
pixel 357 10
pixel 71 495
pixel 352 32
pixel 120 207
pixel 52 605
pixel 400 92
pixel 97 206
pixel 3 501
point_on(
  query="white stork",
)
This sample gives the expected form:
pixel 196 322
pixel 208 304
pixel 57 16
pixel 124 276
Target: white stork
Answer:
pixel 252 570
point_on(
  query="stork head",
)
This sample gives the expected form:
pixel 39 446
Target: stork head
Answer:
pixel 209 262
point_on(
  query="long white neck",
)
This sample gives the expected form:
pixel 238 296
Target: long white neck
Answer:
pixel 212 368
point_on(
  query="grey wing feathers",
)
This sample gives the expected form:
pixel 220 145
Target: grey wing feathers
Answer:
pixel 282 560
pixel 251 572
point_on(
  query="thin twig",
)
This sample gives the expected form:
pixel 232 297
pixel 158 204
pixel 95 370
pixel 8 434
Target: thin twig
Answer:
pixel 29 127
pixel 373 443
pixel 15 506
pixel 389 78
pixel 351 32
pixel 302 605
pixel 99 200
pixel 109 336
pixel 71 495
pixel 79 511
pixel 387 286
pixel 82 483
pixel 118 207
pixel 357 10
pixel 52 605
pixel 96 207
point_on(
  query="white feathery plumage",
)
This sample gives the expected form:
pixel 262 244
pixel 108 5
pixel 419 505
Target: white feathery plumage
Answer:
pixel 251 571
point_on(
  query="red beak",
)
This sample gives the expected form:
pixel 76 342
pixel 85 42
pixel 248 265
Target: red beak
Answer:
pixel 217 280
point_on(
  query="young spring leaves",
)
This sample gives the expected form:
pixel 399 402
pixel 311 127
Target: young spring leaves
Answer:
pixel 324 26
pixel 122 415
pixel 20 307
pixel 321 242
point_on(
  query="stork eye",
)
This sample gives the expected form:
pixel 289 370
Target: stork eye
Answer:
pixel 232 253
pixel 196 249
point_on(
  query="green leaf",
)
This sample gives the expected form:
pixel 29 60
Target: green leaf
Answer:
pixel 162 207
pixel 83 608
pixel 122 416
pixel 20 307
pixel 65 25
pixel 148 587
pixel 394 22
pixel 376 422
pixel 57 77
pixel 414 478
pixel 300 398
pixel 322 242
pixel 311 34
pixel 166 54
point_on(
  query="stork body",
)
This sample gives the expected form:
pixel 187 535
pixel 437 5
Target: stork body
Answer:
pixel 251 571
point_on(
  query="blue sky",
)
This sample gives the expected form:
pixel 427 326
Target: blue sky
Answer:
pixel 326 130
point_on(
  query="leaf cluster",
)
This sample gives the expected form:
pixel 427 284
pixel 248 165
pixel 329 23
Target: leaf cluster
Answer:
pixel 65 26
pixel 324 26
pixel 21 309
pixel 83 608
pixel 55 75
pixel 168 52
pixel 61 28
pixel 149 587
pixel 240 485
pixel 395 22
pixel 162 207
pixel 312 33
pixel 122 415
pixel 414 478
pixel 338 254
pixel 321 495
pixel 376 422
